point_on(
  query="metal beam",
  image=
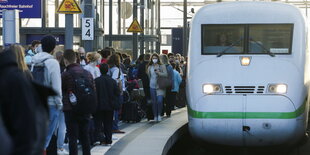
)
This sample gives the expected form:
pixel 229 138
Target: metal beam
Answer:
pixel 69 31
pixel 135 35
pixel 142 6
pixel 110 21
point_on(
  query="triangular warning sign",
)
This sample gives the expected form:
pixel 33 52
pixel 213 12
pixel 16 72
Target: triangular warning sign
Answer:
pixel 135 27
pixel 69 7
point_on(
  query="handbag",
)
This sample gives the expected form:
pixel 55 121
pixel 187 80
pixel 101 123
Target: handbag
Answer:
pixel 164 82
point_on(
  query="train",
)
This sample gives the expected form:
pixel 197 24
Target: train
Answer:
pixel 248 74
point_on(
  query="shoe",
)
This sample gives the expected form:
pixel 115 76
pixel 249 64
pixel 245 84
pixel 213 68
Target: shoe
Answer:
pixel 117 131
pixel 62 152
pixel 105 143
pixel 114 138
pixel 96 143
pixel 159 118
pixel 156 118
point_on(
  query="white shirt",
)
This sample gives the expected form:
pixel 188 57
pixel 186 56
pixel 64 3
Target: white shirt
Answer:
pixel 93 70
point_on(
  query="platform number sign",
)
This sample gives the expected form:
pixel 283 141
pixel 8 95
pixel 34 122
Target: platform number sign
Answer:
pixel 87 28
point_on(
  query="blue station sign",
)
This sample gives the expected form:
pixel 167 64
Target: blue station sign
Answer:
pixel 60 39
pixel 28 8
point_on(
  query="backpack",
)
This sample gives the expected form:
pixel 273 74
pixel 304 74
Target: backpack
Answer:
pixel 133 73
pixel 84 91
pixel 38 71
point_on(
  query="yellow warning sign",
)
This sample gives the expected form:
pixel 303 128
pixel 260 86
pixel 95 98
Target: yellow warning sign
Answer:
pixel 69 7
pixel 135 27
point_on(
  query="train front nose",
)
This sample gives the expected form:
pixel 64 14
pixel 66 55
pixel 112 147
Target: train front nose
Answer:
pixel 245 120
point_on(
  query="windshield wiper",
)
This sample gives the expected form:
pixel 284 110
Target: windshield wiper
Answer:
pixel 229 47
pixel 263 47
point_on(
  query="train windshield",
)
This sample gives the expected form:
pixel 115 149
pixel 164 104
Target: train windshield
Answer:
pixel 247 39
pixel 275 38
pixel 222 38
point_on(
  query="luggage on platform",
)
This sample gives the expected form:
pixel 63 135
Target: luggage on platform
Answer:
pixel 132 112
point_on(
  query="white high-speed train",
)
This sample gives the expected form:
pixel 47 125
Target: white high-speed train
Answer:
pixel 248 74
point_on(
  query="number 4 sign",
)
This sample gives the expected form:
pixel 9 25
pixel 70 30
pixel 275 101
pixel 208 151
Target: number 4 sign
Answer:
pixel 87 28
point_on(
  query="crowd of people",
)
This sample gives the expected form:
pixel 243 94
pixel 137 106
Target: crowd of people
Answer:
pixel 52 95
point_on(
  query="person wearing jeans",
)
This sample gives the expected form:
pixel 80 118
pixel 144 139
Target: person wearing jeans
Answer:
pixel 157 105
pixel 54 115
pixel 155 69
pixel 116 73
pixel 52 78
pixel 61 134
pixel 115 127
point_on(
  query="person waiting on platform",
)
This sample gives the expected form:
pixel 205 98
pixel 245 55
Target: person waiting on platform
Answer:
pixel 32 51
pixel 82 53
pixel 108 96
pixel 116 73
pixel 94 59
pixel 156 69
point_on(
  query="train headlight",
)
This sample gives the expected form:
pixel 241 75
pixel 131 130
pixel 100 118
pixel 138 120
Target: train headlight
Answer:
pixel 245 61
pixel 211 88
pixel 277 88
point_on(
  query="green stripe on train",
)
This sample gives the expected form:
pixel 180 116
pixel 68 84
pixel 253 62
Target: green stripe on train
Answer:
pixel 248 115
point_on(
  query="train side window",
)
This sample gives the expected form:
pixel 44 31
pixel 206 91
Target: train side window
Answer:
pixel 276 38
pixel 217 38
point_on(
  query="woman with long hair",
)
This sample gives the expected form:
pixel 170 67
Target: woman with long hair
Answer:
pixel 116 73
pixel 59 57
pixel 94 59
pixel 168 98
pixel 155 70
pixel 18 51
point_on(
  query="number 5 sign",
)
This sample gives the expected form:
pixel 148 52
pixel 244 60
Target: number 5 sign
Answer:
pixel 87 28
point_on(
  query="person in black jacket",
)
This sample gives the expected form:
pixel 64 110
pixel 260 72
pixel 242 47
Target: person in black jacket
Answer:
pixel 23 106
pixel 146 85
pixel 6 147
pixel 107 93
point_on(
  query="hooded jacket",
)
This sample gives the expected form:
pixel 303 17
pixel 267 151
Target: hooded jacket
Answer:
pixel 52 77
pixel 107 93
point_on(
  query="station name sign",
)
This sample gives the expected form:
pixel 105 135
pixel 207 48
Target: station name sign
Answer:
pixel 28 8
pixel 15 6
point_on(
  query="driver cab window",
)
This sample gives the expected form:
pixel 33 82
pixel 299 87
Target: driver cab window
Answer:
pixel 274 38
pixel 219 38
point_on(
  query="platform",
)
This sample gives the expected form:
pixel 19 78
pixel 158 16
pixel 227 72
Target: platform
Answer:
pixel 146 137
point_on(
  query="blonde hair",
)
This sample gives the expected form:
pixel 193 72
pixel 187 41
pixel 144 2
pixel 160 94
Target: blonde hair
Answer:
pixel 18 51
pixel 93 56
pixel 164 59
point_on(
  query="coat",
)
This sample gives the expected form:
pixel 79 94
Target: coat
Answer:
pixel 68 83
pixel 52 77
pixel 107 93
pixel 143 75
pixel 163 72
pixel 23 107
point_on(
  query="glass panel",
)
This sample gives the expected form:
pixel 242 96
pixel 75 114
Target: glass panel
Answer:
pixel 275 38
pixel 50 21
pixel 31 22
pixel 62 20
pixel 222 38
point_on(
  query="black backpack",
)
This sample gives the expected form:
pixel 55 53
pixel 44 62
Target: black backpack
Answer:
pixel 38 71
pixel 133 73
pixel 85 93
